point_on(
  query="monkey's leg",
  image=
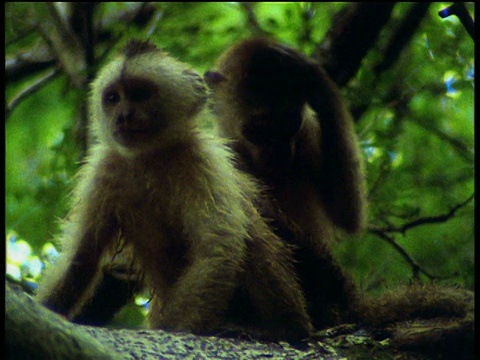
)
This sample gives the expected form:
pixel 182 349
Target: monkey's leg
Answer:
pixel 197 302
pixel 275 292
pixel 330 293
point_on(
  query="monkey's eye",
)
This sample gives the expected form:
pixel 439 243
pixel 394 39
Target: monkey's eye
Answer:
pixel 111 97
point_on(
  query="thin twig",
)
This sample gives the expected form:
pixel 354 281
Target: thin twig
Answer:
pixel 30 89
pixel 425 220
pixel 382 233
pixel 457 144
pixel 416 269
pixel 154 23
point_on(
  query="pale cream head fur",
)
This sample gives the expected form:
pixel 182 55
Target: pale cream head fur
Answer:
pixel 140 94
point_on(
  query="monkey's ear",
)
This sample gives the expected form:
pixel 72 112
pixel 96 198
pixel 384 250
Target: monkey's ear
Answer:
pixel 213 78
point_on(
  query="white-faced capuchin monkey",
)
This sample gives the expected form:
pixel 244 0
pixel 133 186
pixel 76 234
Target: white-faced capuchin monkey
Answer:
pixel 293 132
pixel 154 182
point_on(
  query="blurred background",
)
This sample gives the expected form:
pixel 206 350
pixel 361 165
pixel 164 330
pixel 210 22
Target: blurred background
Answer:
pixel 406 73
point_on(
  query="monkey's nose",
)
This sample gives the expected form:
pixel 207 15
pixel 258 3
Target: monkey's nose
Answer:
pixel 125 118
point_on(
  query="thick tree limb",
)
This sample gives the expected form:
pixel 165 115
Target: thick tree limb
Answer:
pixel 450 339
pixel 34 332
pixel 353 33
pixel 403 35
pixel 63 42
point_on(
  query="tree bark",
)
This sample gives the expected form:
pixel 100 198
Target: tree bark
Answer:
pixel 34 332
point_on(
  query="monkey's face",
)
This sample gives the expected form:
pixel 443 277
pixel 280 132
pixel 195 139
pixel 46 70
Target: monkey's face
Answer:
pixel 270 134
pixel 272 106
pixel 131 111
pixel 264 120
pixel 144 99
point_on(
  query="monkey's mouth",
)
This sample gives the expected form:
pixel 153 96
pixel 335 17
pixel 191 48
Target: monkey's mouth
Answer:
pixel 129 136
pixel 133 131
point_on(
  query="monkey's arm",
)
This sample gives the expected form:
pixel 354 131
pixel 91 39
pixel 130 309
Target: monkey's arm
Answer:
pixel 340 178
pixel 84 237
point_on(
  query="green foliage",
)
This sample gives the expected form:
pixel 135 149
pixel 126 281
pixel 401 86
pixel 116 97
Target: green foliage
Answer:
pixel 417 135
pixel 416 128
pixel 40 161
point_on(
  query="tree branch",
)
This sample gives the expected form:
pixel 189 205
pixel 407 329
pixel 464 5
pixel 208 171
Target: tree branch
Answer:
pixel 382 233
pixel 30 89
pixel 37 333
pixel 81 23
pixel 252 19
pixel 34 332
pixel 416 269
pixel 402 35
pixel 457 144
pixel 28 62
pixel 308 13
pixel 426 220
pixel 355 30
pixel 63 42
pixel 460 11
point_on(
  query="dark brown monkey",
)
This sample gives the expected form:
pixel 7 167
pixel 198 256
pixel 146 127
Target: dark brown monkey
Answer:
pixel 292 130
pixel 289 124
pixel 156 183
